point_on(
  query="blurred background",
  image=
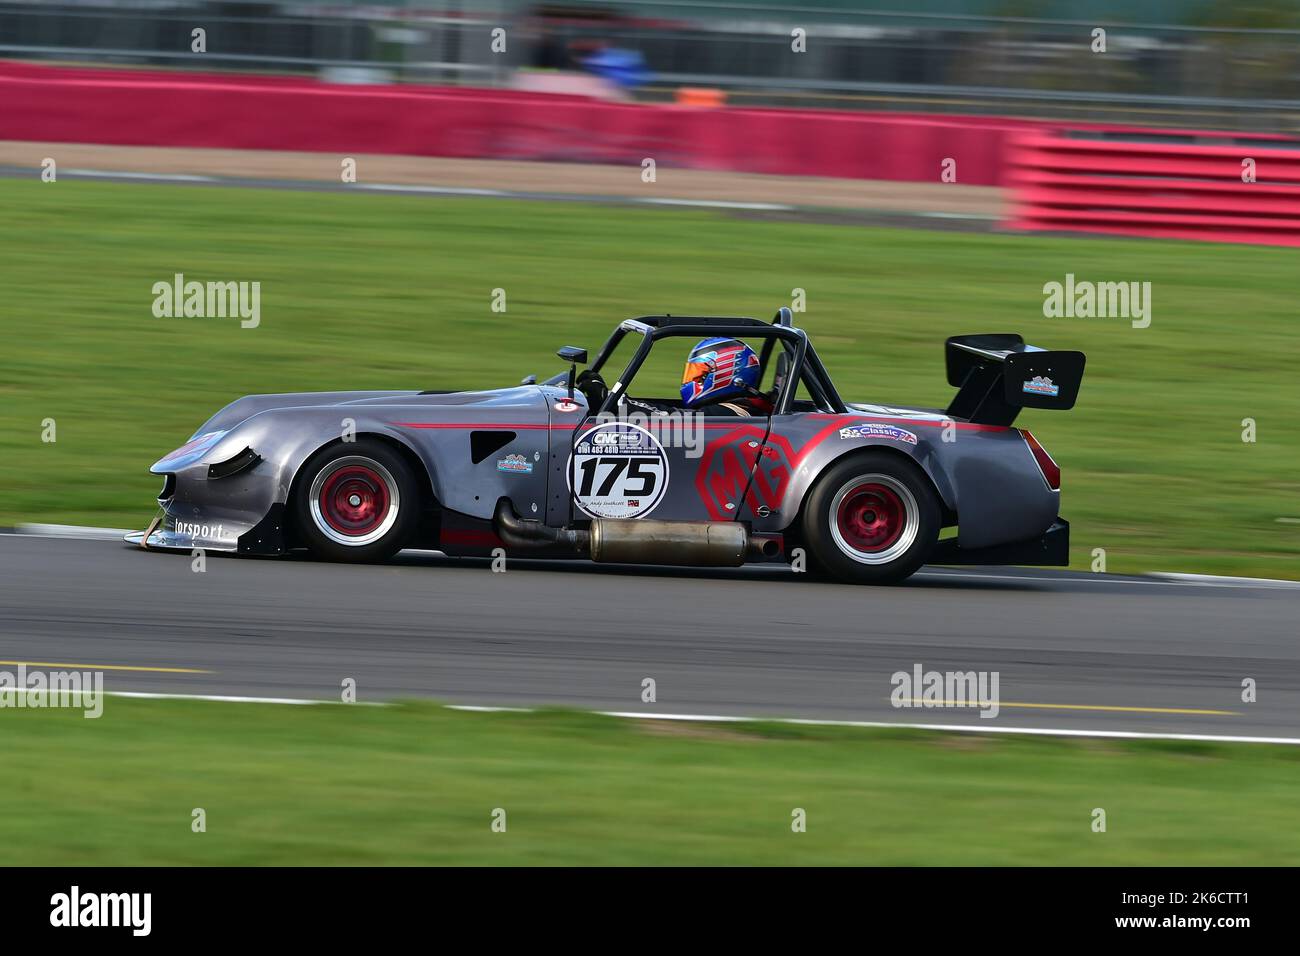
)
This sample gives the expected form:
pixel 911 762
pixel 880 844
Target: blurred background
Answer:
pixel 1226 63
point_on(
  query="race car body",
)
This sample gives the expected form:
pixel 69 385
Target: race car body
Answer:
pixel 576 467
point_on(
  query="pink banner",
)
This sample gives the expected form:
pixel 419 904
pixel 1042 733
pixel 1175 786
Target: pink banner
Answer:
pixel 151 108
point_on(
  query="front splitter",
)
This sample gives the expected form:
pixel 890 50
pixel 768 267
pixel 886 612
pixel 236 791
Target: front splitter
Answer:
pixel 154 538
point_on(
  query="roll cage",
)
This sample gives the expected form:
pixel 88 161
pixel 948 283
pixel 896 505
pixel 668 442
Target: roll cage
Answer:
pixel 805 366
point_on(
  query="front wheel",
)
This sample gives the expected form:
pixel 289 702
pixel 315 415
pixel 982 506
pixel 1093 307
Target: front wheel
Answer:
pixel 871 518
pixel 356 502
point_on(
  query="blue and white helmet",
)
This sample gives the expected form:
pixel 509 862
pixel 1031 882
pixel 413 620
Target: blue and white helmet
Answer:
pixel 718 369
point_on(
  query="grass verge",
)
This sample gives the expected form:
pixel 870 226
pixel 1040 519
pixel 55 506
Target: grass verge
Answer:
pixel 418 784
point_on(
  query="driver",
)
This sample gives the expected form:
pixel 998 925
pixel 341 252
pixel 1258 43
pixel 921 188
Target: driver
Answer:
pixel 721 378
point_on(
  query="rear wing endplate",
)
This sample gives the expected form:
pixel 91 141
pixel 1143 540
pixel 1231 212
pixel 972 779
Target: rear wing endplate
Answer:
pixel 997 374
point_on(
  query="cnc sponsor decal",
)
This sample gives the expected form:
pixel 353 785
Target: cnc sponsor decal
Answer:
pixel 618 470
pixel 1041 385
pixel 515 465
pixel 878 430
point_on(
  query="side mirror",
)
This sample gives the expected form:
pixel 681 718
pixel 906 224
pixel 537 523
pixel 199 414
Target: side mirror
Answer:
pixel 528 380
pixel 573 355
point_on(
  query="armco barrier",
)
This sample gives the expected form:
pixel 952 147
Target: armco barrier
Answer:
pixel 1160 184
pixel 151 108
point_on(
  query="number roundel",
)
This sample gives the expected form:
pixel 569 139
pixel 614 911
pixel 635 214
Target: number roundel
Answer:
pixel 618 470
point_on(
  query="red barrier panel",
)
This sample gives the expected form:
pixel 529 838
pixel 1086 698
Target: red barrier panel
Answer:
pixel 152 108
pixel 1136 187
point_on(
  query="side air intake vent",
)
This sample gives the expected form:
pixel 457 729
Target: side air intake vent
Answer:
pixel 482 444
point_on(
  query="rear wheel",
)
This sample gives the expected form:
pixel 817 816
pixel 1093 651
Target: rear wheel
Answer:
pixel 871 518
pixel 356 502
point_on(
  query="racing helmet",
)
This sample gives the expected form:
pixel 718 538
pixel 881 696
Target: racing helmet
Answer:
pixel 718 369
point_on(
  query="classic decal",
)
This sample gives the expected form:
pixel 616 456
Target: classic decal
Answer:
pixel 515 464
pixel 878 430
pixel 1041 385
pixel 618 470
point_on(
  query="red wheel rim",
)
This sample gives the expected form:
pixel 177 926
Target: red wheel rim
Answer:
pixel 354 500
pixel 871 517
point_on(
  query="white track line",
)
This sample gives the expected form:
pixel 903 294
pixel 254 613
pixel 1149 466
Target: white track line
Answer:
pixel 526 194
pixel 726 719
pixel 1223 581
pixel 1162 578
pixel 981 216
pixel 235 699
pixel 712 204
pixel 955 728
pixel 117 174
pixel 78 532
pixel 433 190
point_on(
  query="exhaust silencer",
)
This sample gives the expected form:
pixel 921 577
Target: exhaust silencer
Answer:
pixel 722 544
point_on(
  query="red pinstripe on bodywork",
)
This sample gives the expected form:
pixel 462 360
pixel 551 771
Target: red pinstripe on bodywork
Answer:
pixel 836 420
pixel 769 486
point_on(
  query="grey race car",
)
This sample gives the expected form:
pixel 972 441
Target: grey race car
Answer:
pixel 578 467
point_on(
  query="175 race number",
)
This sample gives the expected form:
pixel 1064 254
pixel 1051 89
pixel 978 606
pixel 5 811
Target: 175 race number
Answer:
pixel 618 470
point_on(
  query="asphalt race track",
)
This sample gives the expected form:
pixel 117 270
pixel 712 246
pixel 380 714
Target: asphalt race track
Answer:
pixel 1073 650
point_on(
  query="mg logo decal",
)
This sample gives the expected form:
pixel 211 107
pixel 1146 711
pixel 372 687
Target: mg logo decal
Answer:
pixel 725 468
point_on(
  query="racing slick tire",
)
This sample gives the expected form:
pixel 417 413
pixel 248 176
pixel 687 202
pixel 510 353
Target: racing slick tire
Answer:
pixel 872 518
pixel 357 501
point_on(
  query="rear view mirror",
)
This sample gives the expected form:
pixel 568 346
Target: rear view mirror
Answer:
pixel 573 355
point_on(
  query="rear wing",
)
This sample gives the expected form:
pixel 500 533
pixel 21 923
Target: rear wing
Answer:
pixel 997 374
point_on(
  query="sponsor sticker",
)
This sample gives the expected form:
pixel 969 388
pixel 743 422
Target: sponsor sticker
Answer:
pixel 564 405
pixel 515 464
pixel 618 470
pixel 199 531
pixel 1041 385
pixel 878 430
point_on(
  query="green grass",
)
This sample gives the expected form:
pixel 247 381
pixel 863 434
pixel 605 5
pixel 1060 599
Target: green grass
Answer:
pixel 366 291
pixel 418 784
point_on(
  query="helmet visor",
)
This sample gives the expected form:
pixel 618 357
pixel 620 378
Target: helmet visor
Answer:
pixel 696 371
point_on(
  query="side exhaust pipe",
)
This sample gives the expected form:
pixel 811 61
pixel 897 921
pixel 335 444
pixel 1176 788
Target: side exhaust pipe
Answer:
pixel 765 547
pixel 519 532
pixel 719 544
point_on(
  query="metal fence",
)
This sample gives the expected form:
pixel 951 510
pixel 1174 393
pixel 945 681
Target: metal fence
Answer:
pixel 1152 73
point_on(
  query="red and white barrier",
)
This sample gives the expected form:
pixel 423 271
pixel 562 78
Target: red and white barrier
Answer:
pixel 1144 184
